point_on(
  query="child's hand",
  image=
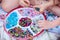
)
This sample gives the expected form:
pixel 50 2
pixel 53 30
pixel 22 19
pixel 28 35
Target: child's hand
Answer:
pixel 44 24
pixel 43 4
pixel 24 3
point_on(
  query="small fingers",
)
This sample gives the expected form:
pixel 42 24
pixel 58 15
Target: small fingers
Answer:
pixel 40 23
pixel 24 3
pixel 27 2
pixel 39 8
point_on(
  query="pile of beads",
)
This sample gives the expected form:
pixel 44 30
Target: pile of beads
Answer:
pixel 18 32
pixel 25 22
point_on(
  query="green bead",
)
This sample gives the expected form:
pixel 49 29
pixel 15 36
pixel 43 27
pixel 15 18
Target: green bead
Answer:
pixel 16 34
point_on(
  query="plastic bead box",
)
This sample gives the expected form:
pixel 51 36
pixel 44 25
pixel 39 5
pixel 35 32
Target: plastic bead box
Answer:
pixel 49 15
pixel 22 23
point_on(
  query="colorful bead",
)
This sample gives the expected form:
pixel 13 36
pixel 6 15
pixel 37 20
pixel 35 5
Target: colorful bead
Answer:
pixel 38 9
pixel 22 35
pixel 16 34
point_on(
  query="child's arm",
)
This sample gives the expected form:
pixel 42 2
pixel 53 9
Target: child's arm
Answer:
pixel 8 5
pixel 57 21
pixel 44 24
pixel 56 10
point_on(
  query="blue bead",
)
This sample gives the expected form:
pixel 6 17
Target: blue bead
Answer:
pixel 8 26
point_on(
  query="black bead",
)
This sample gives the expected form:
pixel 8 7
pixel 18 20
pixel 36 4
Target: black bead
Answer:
pixel 38 9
